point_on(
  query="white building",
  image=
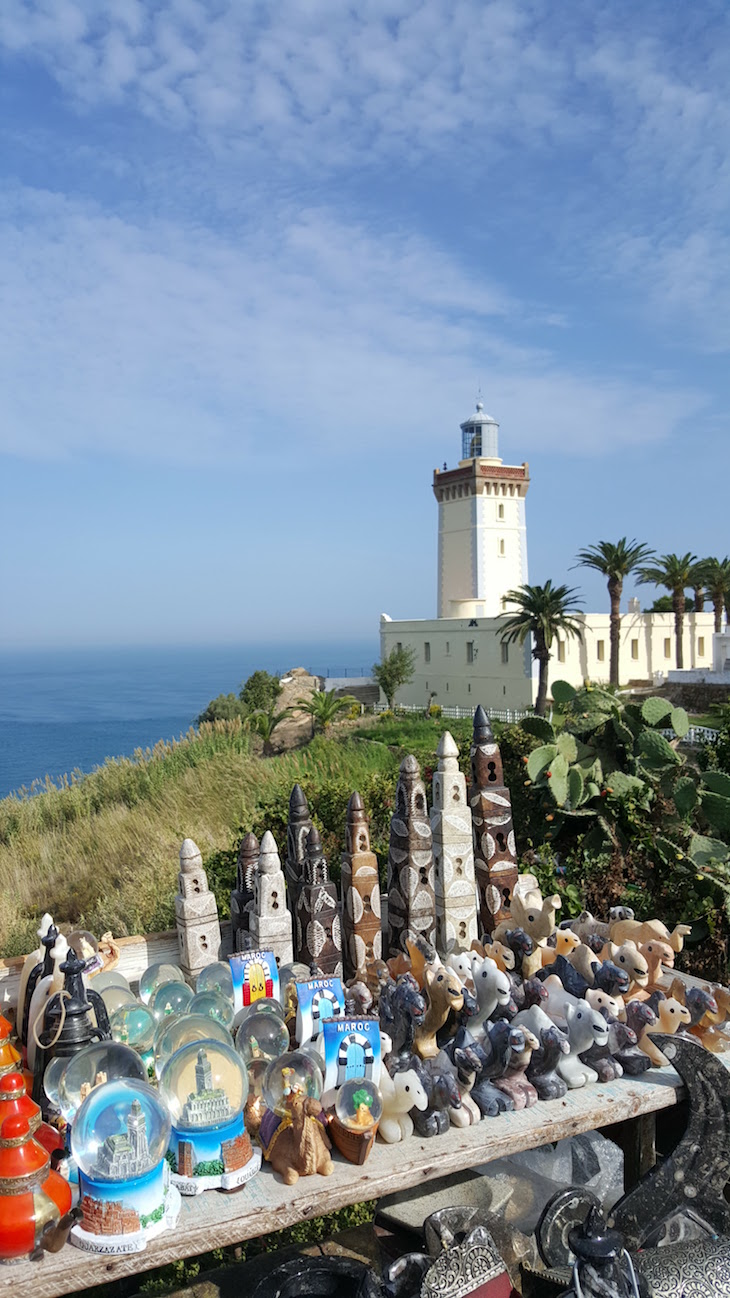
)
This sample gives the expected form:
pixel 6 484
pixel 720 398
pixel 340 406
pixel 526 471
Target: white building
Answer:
pixel 482 553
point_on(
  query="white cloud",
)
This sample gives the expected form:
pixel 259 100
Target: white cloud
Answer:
pixel 157 341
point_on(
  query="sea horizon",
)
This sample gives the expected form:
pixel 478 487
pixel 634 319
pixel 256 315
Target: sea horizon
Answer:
pixel 65 710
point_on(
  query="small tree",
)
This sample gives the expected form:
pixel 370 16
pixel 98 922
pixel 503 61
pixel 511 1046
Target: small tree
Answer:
pixel 260 692
pixel 323 707
pixel 264 722
pixel 717 578
pixel 542 611
pixel 226 707
pixel 395 669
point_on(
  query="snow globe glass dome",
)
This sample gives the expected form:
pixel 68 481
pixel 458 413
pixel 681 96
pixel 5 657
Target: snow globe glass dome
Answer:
pixel 135 1026
pixel 358 1110
pixel 266 1005
pixel 119 1139
pixel 204 1086
pixel 290 1073
pixel 181 1029
pixel 216 977
pixel 262 1036
pixel 115 996
pixel 170 998
pixel 154 976
pixel 109 978
pixel 100 1062
pixel 214 1005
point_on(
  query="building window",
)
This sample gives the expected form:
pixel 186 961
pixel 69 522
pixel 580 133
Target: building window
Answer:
pixel 501 545
pixel 635 650
pixel 600 650
pixel 701 646
pixel 561 651
pixel 667 648
pixel 447 687
pixel 500 511
pixel 505 652
pixel 470 651
pixel 448 648
pixel 427 652
pixel 399 646
pixel 468 688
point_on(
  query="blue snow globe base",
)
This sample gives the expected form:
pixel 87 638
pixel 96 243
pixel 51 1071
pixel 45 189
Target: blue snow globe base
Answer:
pixel 220 1158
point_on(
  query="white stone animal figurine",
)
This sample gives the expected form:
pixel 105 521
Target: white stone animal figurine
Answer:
pixel 599 1000
pixel 460 962
pixel 586 1028
pixel 400 1094
pixel 491 987
pixel 35 957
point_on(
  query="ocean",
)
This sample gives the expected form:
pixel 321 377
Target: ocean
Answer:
pixel 68 710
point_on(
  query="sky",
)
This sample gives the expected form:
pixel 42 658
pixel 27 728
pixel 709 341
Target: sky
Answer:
pixel 258 261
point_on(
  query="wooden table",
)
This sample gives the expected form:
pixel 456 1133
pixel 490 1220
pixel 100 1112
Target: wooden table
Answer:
pixel 264 1205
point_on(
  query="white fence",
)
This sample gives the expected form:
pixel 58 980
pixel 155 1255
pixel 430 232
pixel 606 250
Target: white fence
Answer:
pixel 695 735
pixel 510 715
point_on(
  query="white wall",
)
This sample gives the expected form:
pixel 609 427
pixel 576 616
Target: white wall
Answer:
pixel 647 647
pixel 482 537
pixel 443 666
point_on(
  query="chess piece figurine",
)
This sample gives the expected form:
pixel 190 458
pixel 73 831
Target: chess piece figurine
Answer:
pixel 495 851
pixel 317 916
pixel 411 896
pixel 33 968
pixel 453 854
pixel 242 895
pixel 270 925
pixel 196 914
pixel 361 930
pixel 297 832
pixel 46 986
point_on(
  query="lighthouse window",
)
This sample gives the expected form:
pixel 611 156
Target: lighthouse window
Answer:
pixel 505 653
pixel 600 650
pixel 667 648
pixel 470 651
pixel 500 511
pixel 501 545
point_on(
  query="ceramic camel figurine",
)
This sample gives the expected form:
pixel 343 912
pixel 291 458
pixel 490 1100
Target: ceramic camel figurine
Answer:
pixel 650 930
pixel 300 1145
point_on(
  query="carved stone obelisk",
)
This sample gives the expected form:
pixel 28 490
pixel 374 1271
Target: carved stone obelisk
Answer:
pixel 318 932
pixel 495 852
pixel 453 854
pixel 411 899
pixel 361 932
pixel 196 914
pixel 271 924
pixel 242 895
pixel 297 832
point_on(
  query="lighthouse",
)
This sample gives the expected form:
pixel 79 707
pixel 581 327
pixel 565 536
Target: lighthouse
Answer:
pixel 482 537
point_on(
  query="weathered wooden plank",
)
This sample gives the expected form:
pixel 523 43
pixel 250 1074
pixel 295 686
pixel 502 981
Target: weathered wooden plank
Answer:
pixel 265 1205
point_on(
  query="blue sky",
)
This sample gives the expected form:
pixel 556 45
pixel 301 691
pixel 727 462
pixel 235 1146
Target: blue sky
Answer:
pixel 257 261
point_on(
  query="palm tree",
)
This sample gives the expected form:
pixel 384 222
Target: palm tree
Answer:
pixel 717 582
pixel 698 582
pixel 674 572
pixel 615 562
pixel 323 707
pixel 542 611
pixel 265 721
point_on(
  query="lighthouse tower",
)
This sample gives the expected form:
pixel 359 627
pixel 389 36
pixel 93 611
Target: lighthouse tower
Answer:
pixel 482 550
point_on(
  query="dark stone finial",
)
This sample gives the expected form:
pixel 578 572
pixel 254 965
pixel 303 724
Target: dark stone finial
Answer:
pixel 248 856
pixel 298 805
pixel 483 733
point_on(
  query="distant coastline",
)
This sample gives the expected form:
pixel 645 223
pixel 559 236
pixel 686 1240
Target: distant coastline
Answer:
pixel 68 710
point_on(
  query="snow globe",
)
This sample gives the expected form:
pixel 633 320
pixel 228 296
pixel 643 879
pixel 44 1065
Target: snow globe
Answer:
pixel 214 1005
pixel 135 1026
pixel 262 1036
pixel 99 1062
pixel 216 977
pixel 170 998
pixel 177 1031
pixel 354 1124
pixel 118 1139
pixel 266 1005
pixel 154 976
pixel 113 996
pixel 109 978
pixel 204 1086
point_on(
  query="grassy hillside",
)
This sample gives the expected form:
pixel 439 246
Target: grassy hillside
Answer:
pixel 102 848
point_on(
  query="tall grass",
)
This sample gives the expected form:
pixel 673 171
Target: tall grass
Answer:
pixel 102 849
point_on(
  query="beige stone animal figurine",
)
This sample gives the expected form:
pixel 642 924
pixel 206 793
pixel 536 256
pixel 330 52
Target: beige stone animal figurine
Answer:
pixel 444 993
pixel 566 943
pixel 629 958
pixel 300 1145
pixel 500 954
pixel 650 930
pixel 585 961
pixel 532 913
pixel 671 1016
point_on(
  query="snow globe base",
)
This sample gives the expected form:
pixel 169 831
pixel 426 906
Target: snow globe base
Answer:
pixel 218 1159
pixel 120 1217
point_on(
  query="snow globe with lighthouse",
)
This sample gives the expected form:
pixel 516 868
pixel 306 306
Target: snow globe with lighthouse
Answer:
pixel 119 1138
pixel 204 1086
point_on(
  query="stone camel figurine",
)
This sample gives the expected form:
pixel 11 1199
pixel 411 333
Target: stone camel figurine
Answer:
pixel 300 1147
